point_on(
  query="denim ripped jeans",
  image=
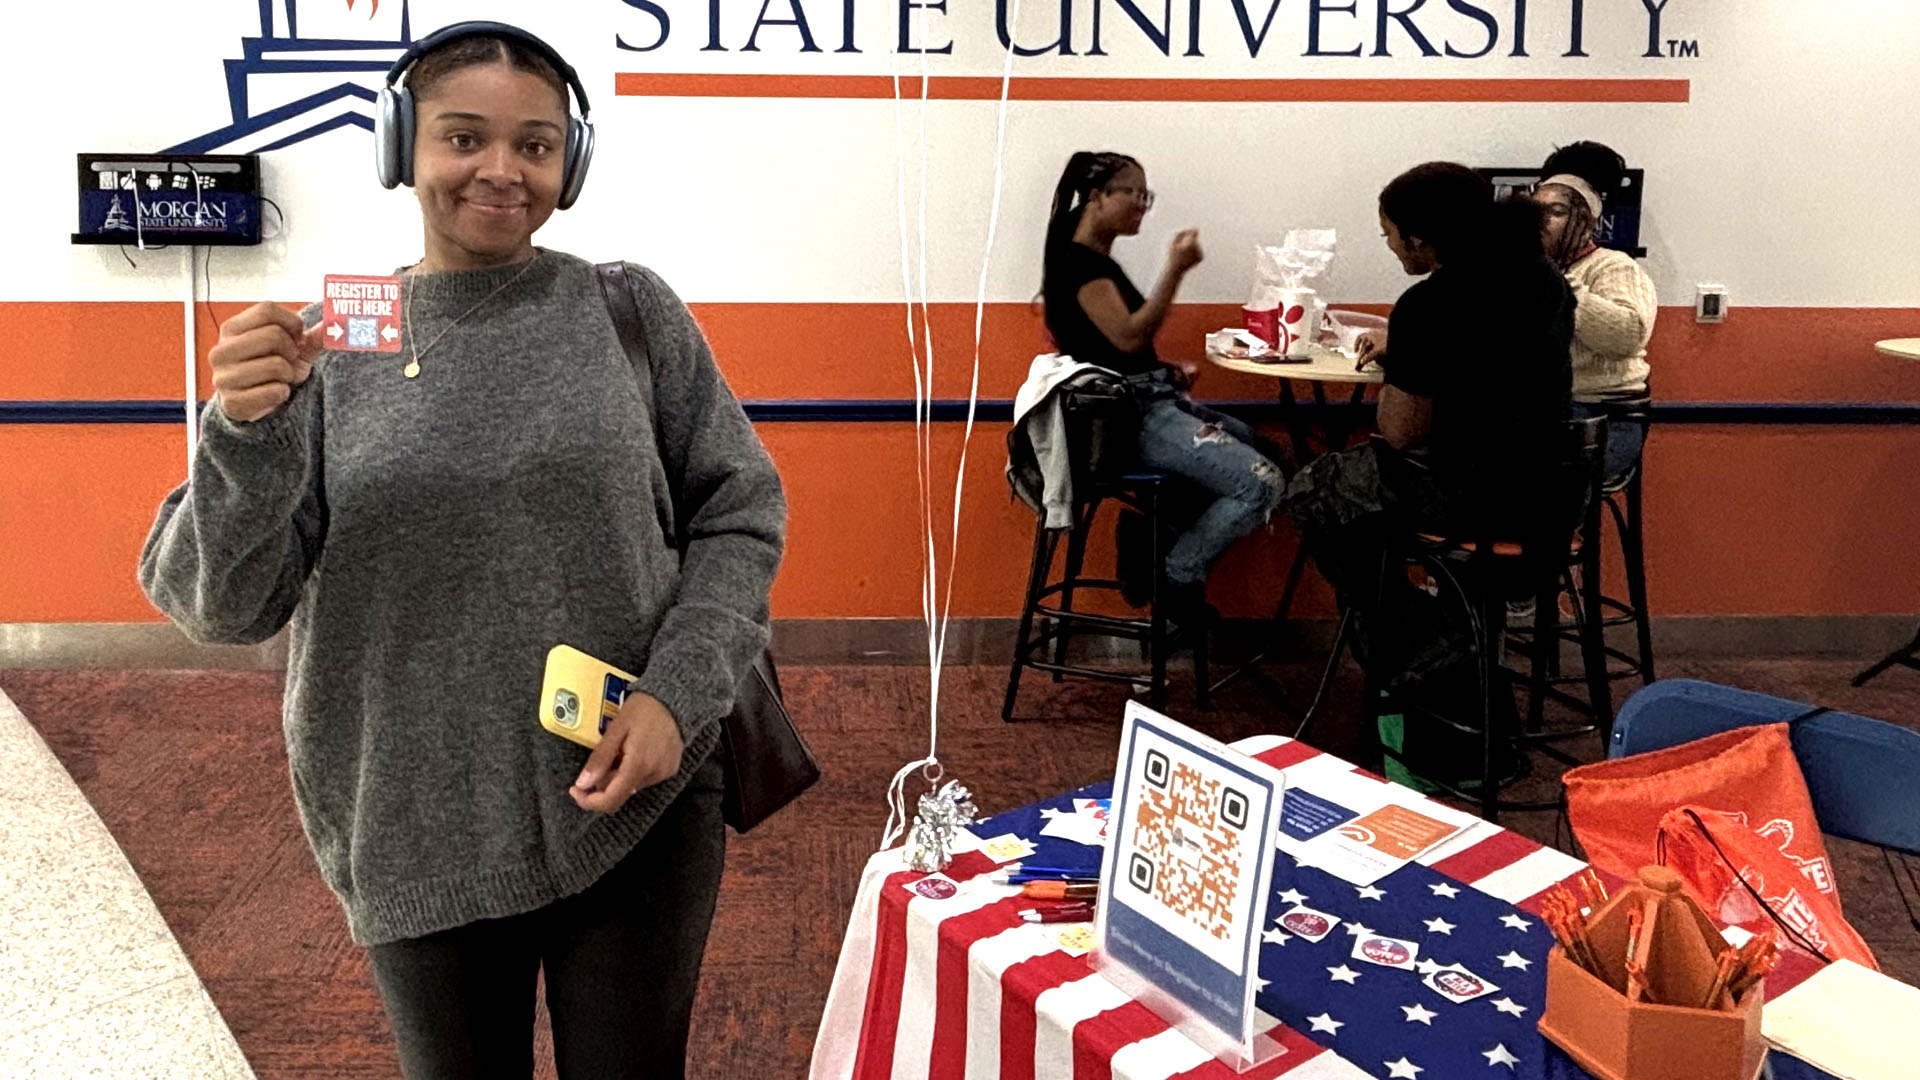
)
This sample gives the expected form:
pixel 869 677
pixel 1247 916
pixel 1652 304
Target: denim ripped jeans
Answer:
pixel 1217 454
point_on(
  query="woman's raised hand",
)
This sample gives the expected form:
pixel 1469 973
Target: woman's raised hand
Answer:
pixel 262 354
pixel 1185 254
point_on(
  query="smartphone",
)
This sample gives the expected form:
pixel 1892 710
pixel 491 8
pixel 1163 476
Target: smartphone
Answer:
pixel 580 695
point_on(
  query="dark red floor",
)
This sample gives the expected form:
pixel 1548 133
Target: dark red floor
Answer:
pixel 188 771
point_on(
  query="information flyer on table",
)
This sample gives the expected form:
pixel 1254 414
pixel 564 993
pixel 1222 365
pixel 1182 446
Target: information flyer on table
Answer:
pixel 1360 829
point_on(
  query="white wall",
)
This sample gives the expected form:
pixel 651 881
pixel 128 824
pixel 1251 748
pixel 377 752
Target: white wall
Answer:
pixel 1793 174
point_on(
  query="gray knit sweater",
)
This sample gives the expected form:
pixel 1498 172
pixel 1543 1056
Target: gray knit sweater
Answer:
pixel 430 539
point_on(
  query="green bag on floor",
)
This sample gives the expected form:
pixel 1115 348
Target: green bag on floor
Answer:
pixel 1414 734
pixel 1393 736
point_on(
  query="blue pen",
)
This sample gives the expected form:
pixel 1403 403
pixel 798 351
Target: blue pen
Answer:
pixel 1020 875
pixel 1018 879
pixel 1055 871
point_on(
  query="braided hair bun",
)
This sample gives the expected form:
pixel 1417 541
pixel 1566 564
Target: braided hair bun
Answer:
pixel 1597 163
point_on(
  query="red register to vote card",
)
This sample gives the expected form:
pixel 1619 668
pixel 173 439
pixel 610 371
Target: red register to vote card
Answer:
pixel 361 314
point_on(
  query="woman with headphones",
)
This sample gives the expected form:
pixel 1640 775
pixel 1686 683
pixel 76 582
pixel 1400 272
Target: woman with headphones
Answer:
pixel 431 523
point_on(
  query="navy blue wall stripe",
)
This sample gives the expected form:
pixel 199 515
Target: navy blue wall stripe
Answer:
pixel 1001 410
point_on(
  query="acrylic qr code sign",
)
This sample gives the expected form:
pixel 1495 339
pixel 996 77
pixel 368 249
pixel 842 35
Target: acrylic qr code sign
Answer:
pixel 1188 847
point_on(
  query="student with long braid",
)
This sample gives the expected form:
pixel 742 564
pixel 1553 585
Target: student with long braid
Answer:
pixel 1096 315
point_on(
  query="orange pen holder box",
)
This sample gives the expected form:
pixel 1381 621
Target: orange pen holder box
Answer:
pixel 1656 1030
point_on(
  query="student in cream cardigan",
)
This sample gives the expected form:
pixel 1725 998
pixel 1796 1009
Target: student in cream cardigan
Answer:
pixel 1615 301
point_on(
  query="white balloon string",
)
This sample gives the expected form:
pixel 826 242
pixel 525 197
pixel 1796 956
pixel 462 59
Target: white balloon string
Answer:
pixel 924 423
pixel 922 389
pixel 979 324
pixel 897 815
pixel 906 289
pixel 936 603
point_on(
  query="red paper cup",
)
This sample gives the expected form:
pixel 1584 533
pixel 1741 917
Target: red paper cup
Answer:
pixel 1263 323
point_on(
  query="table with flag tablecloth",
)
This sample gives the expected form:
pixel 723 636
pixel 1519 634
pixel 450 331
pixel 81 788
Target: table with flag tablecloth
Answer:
pixel 943 980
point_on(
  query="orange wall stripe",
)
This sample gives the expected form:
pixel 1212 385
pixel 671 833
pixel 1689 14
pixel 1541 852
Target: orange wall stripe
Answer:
pixel 99 350
pixel 1030 88
pixel 88 351
pixel 1740 521
pixel 78 503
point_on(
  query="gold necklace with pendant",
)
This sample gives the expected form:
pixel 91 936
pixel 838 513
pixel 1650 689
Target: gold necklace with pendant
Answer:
pixel 412 370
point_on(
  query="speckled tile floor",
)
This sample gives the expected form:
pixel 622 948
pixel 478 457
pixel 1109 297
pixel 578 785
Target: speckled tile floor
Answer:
pixel 92 981
pixel 188 771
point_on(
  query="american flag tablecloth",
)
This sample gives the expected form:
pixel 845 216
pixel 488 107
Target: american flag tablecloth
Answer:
pixel 950 984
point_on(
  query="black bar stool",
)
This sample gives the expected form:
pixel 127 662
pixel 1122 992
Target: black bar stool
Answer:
pixel 1624 505
pixel 1471 572
pixel 1144 492
pixel 1620 499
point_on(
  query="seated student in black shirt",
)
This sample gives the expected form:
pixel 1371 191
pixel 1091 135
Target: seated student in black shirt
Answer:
pixel 1479 373
pixel 1478 390
pixel 1097 316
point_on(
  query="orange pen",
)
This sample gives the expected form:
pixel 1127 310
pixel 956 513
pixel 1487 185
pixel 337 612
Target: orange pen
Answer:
pixel 1592 880
pixel 1758 961
pixel 1577 925
pixel 1722 972
pixel 1059 890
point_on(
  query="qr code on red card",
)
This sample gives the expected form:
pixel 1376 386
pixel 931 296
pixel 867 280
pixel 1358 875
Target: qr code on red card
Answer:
pixel 1187 844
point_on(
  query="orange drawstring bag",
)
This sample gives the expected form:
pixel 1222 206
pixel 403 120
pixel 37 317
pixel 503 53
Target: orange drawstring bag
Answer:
pixel 1617 809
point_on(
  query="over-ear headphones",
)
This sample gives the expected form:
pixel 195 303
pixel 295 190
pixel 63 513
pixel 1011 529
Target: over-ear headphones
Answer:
pixel 393 124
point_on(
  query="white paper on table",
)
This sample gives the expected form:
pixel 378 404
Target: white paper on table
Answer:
pixel 1343 851
pixel 1004 848
pixel 1079 828
pixel 1238 345
pixel 1850 1021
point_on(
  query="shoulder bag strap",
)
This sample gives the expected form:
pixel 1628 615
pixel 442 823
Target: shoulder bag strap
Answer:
pixel 623 304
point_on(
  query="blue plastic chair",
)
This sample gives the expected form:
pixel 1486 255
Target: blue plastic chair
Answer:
pixel 1863 774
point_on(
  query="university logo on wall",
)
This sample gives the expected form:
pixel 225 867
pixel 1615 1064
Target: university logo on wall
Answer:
pixel 316 66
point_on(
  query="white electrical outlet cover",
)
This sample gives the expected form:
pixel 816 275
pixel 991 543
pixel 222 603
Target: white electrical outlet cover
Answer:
pixel 1710 303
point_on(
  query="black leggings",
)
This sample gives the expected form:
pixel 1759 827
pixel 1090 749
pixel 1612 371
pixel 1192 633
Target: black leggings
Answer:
pixel 622 960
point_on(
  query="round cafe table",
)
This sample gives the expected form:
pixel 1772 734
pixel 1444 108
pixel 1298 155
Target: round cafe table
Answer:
pixel 1905 349
pixel 1334 422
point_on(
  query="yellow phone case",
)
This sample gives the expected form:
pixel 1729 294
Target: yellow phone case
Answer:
pixel 580 695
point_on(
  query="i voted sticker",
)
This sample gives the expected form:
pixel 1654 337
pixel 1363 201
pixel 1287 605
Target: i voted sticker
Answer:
pixel 933 887
pixel 1386 951
pixel 1308 923
pixel 361 314
pixel 1457 984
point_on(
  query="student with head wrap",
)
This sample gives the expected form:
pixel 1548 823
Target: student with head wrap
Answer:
pixel 1614 299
